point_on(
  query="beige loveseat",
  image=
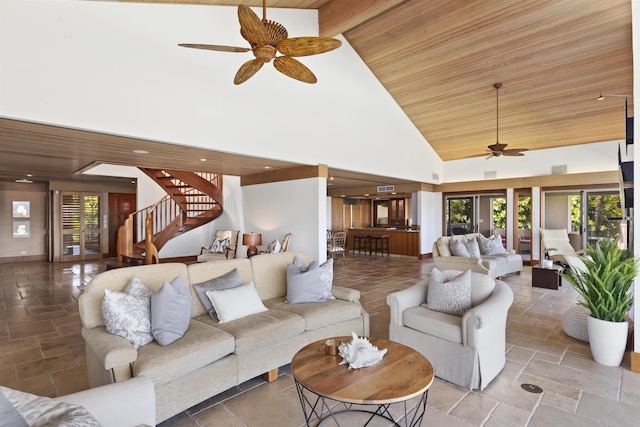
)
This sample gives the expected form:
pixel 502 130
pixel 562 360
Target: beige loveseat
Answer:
pixel 212 357
pixel 495 265
pixel 467 350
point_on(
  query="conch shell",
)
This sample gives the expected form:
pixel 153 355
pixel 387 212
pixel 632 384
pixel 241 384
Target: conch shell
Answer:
pixel 360 353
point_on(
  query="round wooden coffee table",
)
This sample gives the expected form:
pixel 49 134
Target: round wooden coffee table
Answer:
pixel 402 375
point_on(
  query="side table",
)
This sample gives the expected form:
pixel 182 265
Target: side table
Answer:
pixel 546 277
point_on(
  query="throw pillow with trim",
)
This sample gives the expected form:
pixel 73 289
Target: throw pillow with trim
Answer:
pixel 235 303
pixel 452 296
pixel 458 248
pixel 170 311
pixel 228 280
pixel 128 314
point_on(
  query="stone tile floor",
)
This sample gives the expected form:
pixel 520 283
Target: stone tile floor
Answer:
pixel 42 352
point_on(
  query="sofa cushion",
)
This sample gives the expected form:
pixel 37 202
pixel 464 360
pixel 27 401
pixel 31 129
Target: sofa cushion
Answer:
pixel 170 311
pixel 304 284
pixel 201 345
pixel 435 323
pixel 452 296
pixel 237 302
pixel 128 313
pixel 261 330
pixel 228 280
pixel 458 248
pixel 319 315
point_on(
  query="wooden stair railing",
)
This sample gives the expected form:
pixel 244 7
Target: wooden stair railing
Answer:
pixel 193 199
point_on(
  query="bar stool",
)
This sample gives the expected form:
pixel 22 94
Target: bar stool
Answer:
pixel 361 241
pixel 379 243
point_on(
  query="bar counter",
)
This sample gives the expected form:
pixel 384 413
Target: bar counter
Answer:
pixel 401 242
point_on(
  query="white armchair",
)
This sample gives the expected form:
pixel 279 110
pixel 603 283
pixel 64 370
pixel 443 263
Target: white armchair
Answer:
pixel 468 351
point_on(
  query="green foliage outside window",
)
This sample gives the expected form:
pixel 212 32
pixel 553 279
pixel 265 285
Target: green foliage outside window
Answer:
pixel 459 211
pixel 599 209
pixel 500 213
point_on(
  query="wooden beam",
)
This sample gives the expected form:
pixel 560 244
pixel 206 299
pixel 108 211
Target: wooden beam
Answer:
pixel 339 16
pixel 300 172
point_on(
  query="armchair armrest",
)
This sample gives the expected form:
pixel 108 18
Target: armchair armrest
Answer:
pixel 111 350
pixel 346 294
pixel 401 300
pixel 205 249
pixel 128 403
pixel 493 311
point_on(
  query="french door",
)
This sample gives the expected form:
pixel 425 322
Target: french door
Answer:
pixel 80 226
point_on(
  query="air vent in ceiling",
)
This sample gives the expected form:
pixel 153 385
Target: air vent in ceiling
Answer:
pixel 384 188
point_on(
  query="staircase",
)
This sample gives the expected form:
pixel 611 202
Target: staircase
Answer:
pixel 193 199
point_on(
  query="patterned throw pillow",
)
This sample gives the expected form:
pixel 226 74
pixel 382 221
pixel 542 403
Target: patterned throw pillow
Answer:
pixel 458 248
pixel 451 297
pixel 128 313
pixel 274 247
pixel 220 246
pixel 491 245
pixel 472 247
pixel 326 274
pixel 24 409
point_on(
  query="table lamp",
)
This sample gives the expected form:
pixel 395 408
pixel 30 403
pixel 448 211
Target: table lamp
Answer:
pixel 252 240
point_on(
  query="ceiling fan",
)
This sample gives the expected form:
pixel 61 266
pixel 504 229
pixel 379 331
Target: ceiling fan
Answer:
pixel 267 38
pixel 498 149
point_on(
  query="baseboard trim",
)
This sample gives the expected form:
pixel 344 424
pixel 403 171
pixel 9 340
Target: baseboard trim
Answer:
pixel 635 361
pixel 29 258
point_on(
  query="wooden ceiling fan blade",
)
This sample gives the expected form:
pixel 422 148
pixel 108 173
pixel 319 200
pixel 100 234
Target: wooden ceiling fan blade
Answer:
pixel 305 46
pixel 215 47
pixel 247 70
pixel 294 69
pixel 251 27
pixel 514 152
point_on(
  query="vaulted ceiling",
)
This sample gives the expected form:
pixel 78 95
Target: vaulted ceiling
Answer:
pixel 439 60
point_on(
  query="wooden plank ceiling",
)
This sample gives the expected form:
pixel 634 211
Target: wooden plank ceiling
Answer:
pixel 439 59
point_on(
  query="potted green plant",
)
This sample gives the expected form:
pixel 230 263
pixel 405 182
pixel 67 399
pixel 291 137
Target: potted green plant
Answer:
pixel 604 285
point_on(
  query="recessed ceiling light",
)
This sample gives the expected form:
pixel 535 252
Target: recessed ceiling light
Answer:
pixel 29 175
pixel 366 194
pixel 24 181
pixel 267 167
pixel 203 160
pixel 141 151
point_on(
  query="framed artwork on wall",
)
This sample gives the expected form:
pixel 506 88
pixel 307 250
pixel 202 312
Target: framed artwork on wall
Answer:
pixel 21 209
pixel 21 229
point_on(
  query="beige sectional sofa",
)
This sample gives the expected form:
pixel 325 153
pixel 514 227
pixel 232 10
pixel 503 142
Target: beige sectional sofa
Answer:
pixel 494 265
pixel 212 357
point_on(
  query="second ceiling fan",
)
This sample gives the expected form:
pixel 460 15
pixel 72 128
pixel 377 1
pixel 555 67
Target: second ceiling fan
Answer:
pixel 267 38
pixel 498 149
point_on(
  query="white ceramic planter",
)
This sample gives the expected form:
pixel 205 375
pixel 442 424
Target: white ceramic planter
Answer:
pixel 607 340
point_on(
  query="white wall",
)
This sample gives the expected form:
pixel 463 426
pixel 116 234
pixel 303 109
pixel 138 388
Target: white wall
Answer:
pixel 115 67
pixel 297 207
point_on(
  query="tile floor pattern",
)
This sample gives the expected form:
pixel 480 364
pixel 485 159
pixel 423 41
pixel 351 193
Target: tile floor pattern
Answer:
pixel 42 352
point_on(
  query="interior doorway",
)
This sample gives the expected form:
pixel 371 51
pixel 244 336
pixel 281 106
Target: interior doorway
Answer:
pixel 120 206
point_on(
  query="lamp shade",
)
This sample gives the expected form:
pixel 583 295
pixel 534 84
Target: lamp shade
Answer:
pixel 252 239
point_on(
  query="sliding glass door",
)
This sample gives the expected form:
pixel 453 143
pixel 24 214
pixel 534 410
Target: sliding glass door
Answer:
pixel 477 213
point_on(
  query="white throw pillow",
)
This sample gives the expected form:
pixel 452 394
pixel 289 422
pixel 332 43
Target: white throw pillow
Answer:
pixel 453 296
pixel 128 314
pixel 234 303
